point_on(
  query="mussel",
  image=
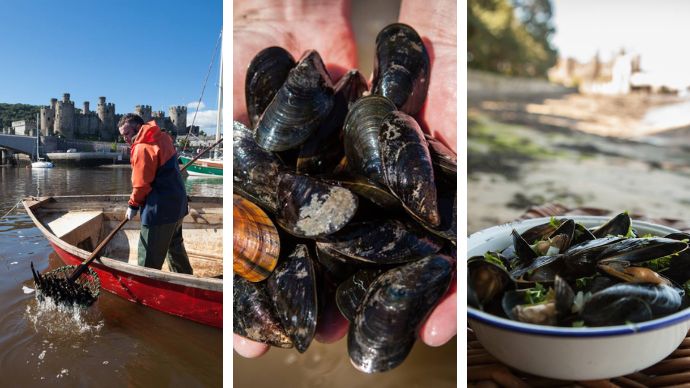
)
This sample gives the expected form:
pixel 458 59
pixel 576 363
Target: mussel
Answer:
pixel 386 323
pixel 266 74
pixel 256 244
pixel 254 316
pixel 298 108
pixel 401 69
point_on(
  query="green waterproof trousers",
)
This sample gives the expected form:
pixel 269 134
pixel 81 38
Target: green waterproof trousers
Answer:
pixel 156 242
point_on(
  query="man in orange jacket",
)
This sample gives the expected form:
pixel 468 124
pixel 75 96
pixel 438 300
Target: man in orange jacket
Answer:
pixel 158 191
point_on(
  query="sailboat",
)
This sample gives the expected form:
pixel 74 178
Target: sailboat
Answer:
pixel 211 166
pixel 40 162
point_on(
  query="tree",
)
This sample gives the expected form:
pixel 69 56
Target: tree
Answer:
pixel 511 38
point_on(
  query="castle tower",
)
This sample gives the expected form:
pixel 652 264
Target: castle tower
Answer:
pixel 106 117
pixel 64 117
pixel 178 116
pixel 48 118
pixel 86 107
pixel 143 111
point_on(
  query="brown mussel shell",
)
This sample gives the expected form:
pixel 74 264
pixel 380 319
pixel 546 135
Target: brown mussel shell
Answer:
pixel 397 302
pixel 309 207
pixel 266 74
pixel 254 316
pixel 300 106
pixel 407 166
pixel 256 244
pixel 322 152
pixel 361 136
pixel 401 68
pixel 292 287
pixel 255 171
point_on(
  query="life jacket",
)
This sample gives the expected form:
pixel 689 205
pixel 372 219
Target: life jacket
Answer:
pixel 157 186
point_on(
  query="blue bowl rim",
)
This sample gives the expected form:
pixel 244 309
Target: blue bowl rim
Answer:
pixel 555 331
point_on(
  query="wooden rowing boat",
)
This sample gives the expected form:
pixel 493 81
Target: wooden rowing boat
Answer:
pixel 75 224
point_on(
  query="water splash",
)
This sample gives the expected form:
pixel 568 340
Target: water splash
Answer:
pixel 61 320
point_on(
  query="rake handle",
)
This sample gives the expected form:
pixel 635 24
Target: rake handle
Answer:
pixel 96 252
pixel 201 153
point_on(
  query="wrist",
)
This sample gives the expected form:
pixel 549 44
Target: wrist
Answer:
pixel 132 207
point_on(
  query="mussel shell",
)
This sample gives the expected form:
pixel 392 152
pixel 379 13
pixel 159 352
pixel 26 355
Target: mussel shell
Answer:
pixel 638 250
pixel 361 136
pixel 386 324
pixel 322 152
pixel 407 166
pixel 266 74
pixel 352 291
pixel 541 231
pixel 382 242
pixel 292 287
pixel 661 299
pixel 300 106
pixel 254 316
pixel 255 171
pixel 401 68
pixel 312 208
pixel 256 244
pixel 486 281
pixel 616 226
pixel 338 267
pixel 368 189
pixel 444 160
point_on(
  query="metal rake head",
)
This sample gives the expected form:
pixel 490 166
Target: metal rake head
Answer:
pixel 55 284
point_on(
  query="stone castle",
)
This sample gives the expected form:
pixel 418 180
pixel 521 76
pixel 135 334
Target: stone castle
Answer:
pixel 61 118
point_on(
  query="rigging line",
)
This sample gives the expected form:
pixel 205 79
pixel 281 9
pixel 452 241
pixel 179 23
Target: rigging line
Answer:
pixel 203 88
pixel 11 210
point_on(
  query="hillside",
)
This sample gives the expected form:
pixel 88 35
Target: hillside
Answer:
pixel 15 112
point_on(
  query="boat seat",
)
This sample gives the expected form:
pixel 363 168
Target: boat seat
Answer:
pixel 82 228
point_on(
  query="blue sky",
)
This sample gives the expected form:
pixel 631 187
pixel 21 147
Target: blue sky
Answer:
pixel 132 52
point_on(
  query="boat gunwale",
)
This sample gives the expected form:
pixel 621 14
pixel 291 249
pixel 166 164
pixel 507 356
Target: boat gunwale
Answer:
pixel 204 283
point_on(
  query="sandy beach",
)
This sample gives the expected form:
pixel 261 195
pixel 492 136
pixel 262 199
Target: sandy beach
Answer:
pixel 622 153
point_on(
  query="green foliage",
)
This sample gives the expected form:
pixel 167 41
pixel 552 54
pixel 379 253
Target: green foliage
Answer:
pixel 510 37
pixel 16 112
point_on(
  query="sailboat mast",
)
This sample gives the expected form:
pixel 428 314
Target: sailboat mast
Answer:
pixel 38 134
pixel 220 101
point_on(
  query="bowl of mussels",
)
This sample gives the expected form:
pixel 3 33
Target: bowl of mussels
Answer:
pixel 340 198
pixel 579 297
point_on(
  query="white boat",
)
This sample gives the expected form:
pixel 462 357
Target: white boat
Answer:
pixel 40 162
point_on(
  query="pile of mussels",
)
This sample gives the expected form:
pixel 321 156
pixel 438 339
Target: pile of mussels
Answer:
pixel 340 196
pixel 564 274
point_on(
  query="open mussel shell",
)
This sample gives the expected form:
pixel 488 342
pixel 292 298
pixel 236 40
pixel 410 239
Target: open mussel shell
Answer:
pixel 292 287
pixel 382 242
pixel 255 171
pixel 616 226
pixel 361 136
pixel 312 208
pixel 256 244
pixel 351 292
pixel 397 302
pixel 626 273
pixel 620 303
pixel 266 74
pixel 299 107
pixel 254 316
pixel 401 68
pixel 486 280
pixel 638 250
pixel 322 152
pixel 407 166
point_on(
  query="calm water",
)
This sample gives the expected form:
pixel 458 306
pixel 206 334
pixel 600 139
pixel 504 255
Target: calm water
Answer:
pixel 114 343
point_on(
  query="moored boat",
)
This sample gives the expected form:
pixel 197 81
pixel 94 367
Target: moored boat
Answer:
pixel 203 166
pixel 74 225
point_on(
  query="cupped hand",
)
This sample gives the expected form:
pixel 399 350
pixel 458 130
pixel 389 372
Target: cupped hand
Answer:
pixel 300 25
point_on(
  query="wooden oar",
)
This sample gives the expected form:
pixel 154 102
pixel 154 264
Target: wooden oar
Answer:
pixel 201 153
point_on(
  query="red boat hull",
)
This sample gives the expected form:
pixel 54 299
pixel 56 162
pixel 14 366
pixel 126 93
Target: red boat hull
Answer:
pixel 203 306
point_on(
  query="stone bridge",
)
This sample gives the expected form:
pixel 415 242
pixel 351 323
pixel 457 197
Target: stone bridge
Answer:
pixel 18 143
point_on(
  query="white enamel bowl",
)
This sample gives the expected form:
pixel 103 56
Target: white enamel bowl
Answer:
pixel 573 353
